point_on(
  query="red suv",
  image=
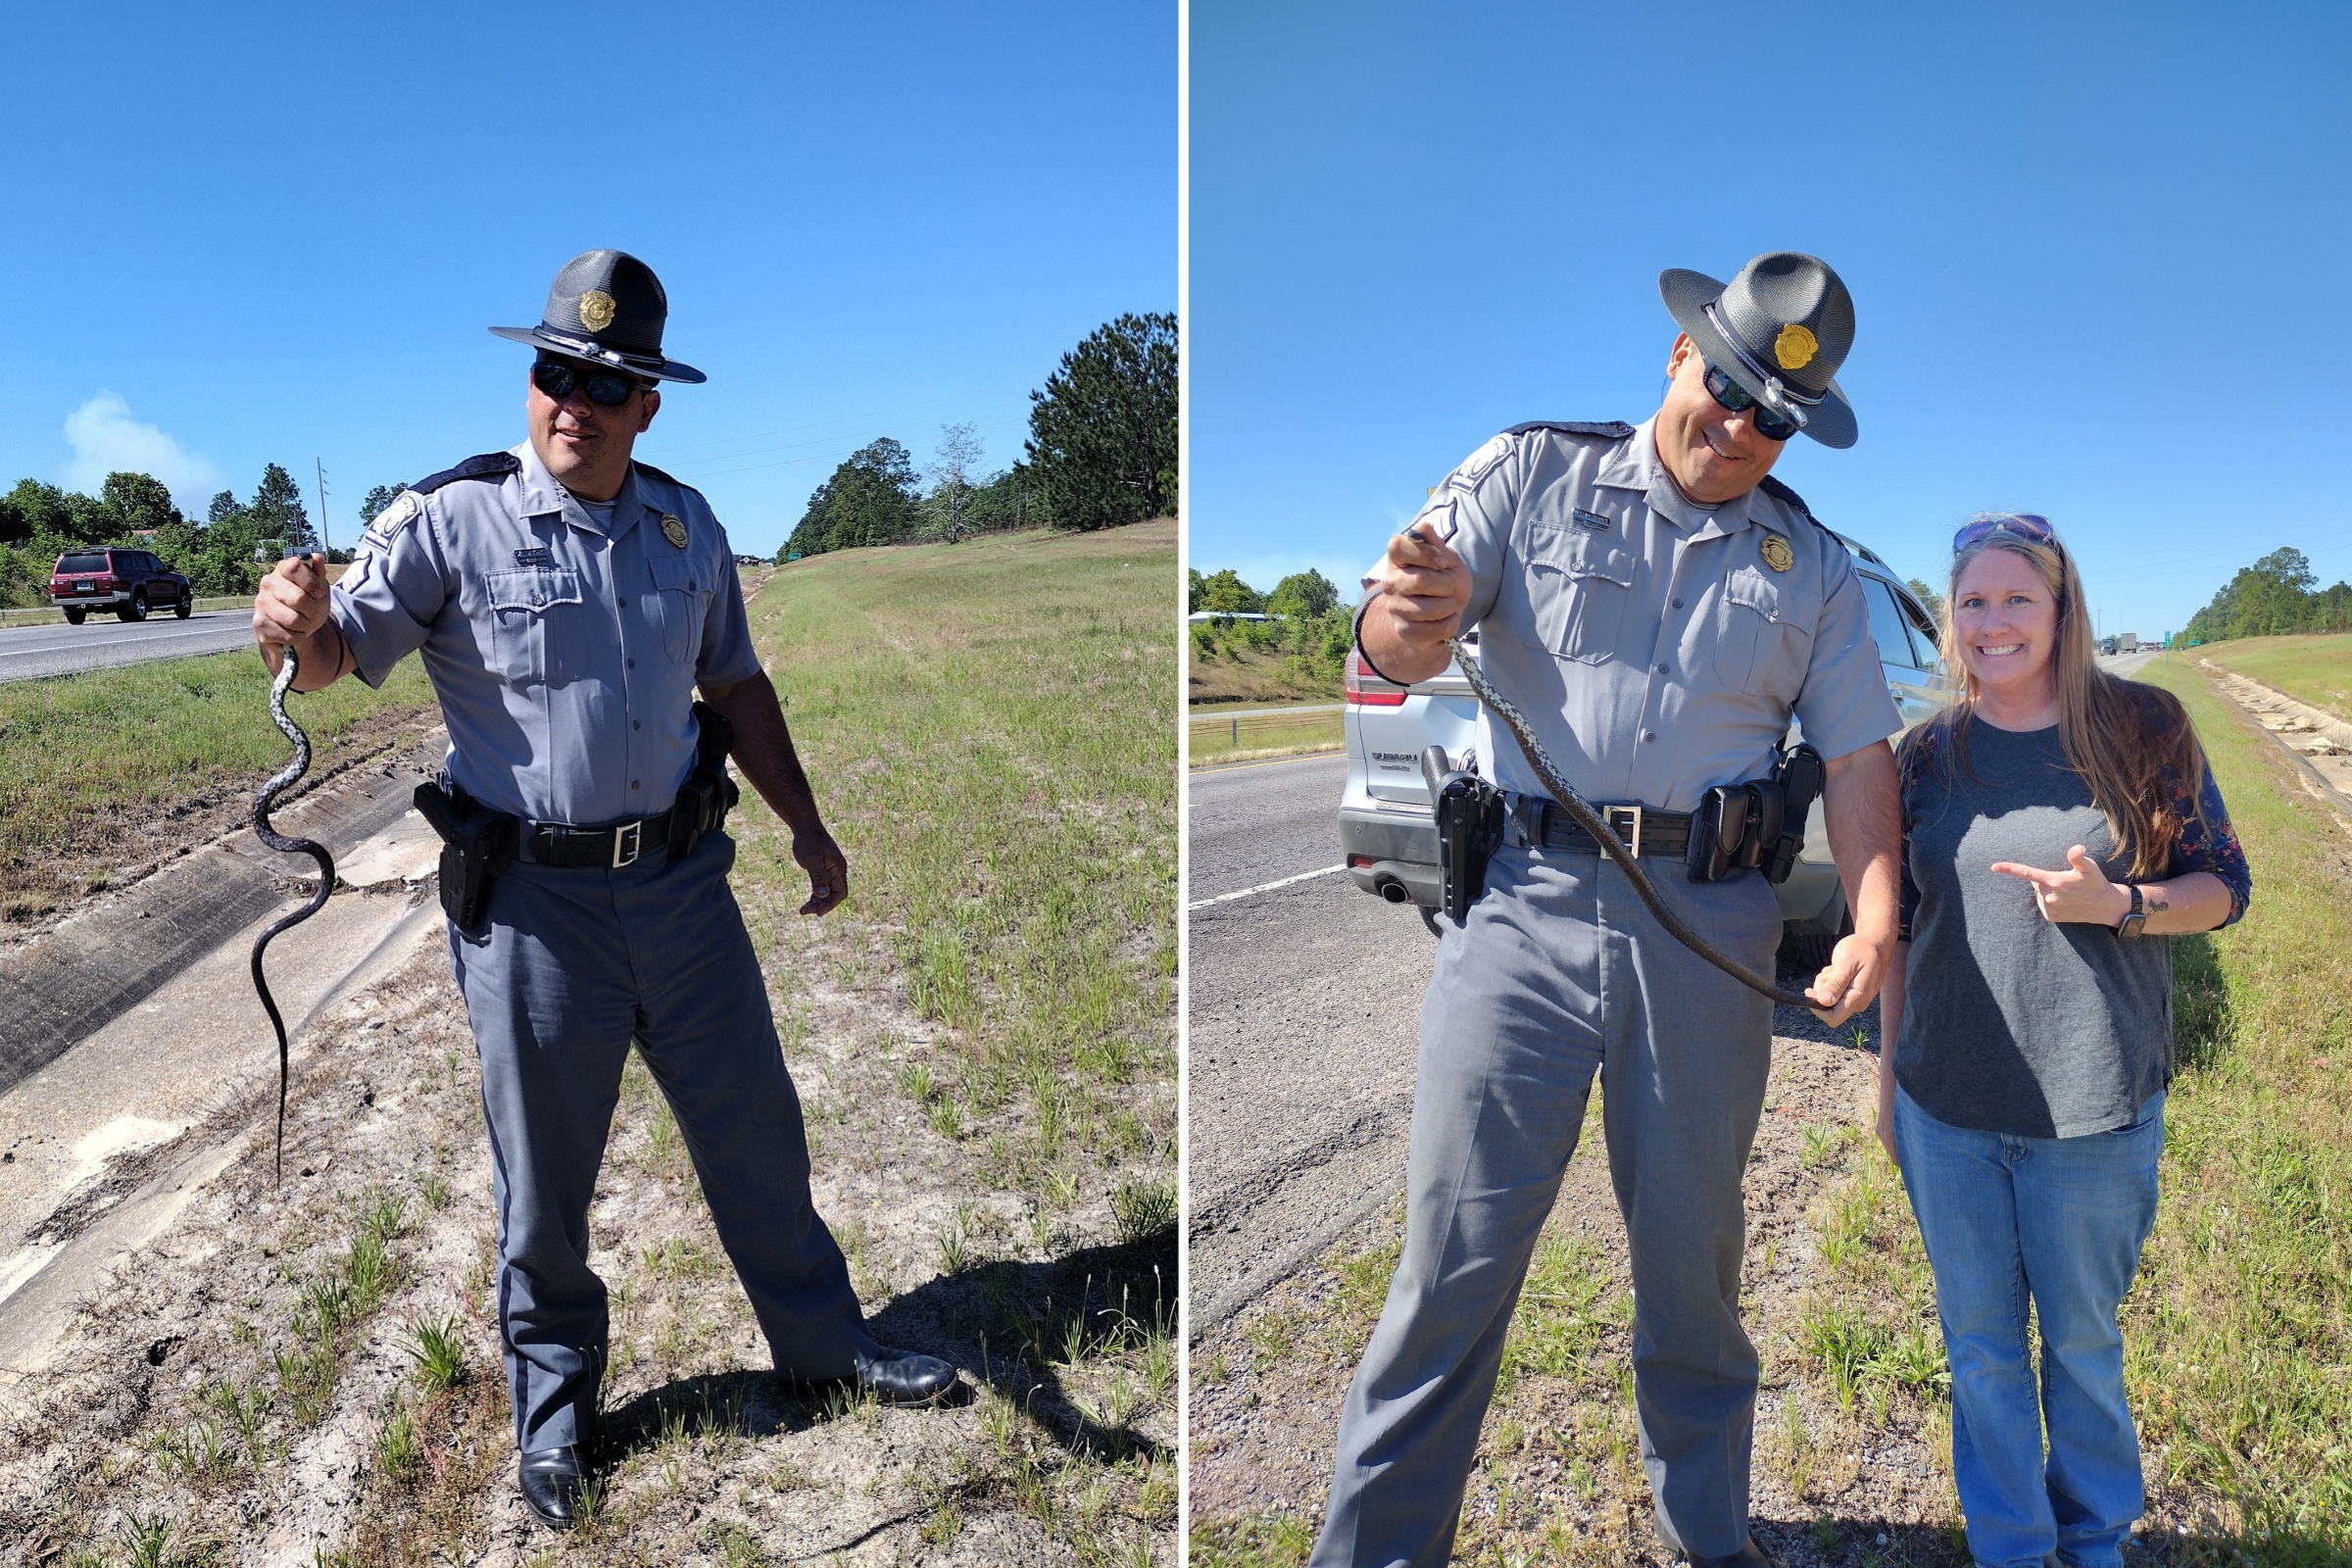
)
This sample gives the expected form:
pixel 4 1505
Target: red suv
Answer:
pixel 128 582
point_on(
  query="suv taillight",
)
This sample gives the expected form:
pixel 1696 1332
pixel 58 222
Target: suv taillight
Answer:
pixel 1367 688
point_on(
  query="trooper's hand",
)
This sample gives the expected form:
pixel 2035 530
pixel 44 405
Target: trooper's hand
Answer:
pixel 291 601
pixel 828 869
pixel 1856 968
pixel 1427 589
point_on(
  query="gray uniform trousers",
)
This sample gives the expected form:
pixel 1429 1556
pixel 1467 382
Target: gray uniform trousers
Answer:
pixel 1560 971
pixel 577 962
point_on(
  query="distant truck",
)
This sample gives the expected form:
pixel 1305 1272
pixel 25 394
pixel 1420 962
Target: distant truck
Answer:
pixel 2126 642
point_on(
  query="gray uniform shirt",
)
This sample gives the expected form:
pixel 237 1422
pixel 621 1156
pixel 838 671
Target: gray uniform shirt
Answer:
pixel 565 650
pixel 1652 644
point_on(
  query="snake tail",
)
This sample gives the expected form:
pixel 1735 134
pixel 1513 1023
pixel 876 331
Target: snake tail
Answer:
pixel 1606 837
pixel 263 801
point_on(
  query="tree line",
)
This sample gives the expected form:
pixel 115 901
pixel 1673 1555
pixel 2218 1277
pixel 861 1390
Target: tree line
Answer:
pixel 39 522
pixel 1309 625
pixel 1101 453
pixel 2277 595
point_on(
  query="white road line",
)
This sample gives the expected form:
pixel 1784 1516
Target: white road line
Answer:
pixel 1265 886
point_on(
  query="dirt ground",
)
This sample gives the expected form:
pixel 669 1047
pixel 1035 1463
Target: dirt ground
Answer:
pixel 309 1374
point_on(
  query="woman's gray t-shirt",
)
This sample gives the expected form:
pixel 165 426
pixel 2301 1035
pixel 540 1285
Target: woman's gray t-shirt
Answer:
pixel 2011 1023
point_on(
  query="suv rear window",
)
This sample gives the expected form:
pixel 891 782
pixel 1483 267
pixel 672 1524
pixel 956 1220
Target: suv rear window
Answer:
pixel 83 561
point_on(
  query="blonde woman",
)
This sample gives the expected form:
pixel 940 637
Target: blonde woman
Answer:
pixel 2059 823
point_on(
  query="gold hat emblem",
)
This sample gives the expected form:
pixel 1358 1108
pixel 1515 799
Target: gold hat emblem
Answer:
pixel 1777 554
pixel 676 531
pixel 596 312
pixel 1796 347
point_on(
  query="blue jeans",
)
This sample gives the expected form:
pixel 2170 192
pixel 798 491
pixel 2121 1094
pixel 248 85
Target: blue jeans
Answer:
pixel 2062 1219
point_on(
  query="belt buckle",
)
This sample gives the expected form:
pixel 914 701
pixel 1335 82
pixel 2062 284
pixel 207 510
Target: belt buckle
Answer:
pixel 1619 819
pixel 626 838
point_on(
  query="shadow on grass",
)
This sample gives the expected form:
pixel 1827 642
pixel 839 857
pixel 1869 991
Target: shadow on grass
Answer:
pixel 1018 1328
pixel 2202 1021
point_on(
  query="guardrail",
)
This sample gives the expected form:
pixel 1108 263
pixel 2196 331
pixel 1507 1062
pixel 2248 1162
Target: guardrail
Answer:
pixel 39 615
pixel 1277 729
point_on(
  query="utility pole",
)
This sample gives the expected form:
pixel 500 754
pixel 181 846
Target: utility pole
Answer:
pixel 324 543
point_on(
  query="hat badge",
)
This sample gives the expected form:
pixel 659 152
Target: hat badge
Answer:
pixel 1796 347
pixel 596 309
pixel 674 530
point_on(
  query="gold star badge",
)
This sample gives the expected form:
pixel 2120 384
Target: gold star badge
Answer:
pixel 1777 554
pixel 1796 347
pixel 676 531
pixel 596 309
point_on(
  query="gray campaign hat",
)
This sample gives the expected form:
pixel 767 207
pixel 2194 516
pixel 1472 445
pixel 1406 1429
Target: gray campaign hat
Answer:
pixel 1780 328
pixel 607 306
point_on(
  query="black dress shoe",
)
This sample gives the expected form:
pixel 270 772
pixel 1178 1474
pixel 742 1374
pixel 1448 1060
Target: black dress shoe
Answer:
pixel 904 1377
pixel 552 1481
pixel 1747 1557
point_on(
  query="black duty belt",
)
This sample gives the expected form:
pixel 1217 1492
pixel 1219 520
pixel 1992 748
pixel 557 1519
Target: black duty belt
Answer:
pixel 1647 834
pixel 556 844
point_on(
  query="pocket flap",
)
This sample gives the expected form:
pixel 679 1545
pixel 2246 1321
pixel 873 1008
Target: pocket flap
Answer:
pixel 1759 593
pixel 1579 552
pixel 532 588
pixel 679 573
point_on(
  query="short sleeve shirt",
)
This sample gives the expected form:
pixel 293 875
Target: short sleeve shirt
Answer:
pixel 1656 647
pixel 564 649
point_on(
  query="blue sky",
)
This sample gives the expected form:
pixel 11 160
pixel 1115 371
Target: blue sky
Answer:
pixel 276 234
pixel 2098 255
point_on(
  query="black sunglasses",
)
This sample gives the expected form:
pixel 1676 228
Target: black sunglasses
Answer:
pixel 607 389
pixel 2024 524
pixel 1736 400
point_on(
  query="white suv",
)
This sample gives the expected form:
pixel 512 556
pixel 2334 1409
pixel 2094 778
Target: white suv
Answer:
pixel 1390 842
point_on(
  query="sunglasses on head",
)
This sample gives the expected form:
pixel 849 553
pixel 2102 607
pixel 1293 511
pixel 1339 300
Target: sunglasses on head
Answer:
pixel 607 389
pixel 2023 525
pixel 1735 398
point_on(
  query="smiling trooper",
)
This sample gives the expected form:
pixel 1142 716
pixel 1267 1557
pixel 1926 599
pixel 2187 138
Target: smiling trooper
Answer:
pixel 1658 608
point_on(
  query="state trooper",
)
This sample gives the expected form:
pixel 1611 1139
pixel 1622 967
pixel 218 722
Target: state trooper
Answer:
pixel 567 600
pixel 1658 607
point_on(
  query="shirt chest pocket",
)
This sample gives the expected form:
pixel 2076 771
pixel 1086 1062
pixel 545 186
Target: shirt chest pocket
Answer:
pixel 680 602
pixel 1579 582
pixel 536 624
pixel 1762 645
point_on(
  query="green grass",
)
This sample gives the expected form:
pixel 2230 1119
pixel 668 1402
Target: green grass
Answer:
pixel 2238 1336
pixel 2314 669
pixel 991 729
pixel 77 753
pixel 1217 739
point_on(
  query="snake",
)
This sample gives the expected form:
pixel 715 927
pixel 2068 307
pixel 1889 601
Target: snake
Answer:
pixel 1606 837
pixel 285 779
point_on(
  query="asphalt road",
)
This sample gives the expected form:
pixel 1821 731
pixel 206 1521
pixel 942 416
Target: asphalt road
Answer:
pixel 103 642
pixel 1304 1021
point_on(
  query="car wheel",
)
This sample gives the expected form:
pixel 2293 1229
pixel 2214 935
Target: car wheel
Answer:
pixel 74 615
pixel 1808 951
pixel 187 604
pixel 136 610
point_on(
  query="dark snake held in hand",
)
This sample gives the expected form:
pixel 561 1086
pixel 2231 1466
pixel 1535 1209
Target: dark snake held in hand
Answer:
pixel 286 779
pixel 1606 837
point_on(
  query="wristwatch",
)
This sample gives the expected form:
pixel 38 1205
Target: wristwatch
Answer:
pixel 2139 917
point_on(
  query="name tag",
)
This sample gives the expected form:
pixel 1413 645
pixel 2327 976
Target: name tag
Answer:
pixel 1591 522
pixel 532 558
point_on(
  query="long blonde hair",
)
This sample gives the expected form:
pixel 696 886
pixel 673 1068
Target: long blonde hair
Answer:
pixel 2122 736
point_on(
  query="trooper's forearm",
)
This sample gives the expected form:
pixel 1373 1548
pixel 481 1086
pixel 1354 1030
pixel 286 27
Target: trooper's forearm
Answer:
pixel 763 750
pixel 1866 837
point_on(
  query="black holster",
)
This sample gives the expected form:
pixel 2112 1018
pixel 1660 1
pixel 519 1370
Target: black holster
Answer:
pixel 1758 825
pixel 707 793
pixel 477 845
pixel 1469 814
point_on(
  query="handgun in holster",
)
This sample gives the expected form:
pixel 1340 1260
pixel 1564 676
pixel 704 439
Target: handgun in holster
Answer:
pixel 477 845
pixel 1757 825
pixel 707 793
pixel 1469 814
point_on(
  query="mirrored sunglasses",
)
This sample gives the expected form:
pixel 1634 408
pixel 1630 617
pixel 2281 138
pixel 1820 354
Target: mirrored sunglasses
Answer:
pixel 2023 525
pixel 607 389
pixel 1736 400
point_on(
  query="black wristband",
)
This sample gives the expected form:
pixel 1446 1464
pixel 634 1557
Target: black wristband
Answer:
pixel 1360 652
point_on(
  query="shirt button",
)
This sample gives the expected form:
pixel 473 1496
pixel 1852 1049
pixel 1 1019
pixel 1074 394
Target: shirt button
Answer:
pixel 1678 604
pixel 622 603
pixel 634 784
pixel 636 724
pixel 632 663
pixel 1661 669
pixel 1649 734
pixel 538 599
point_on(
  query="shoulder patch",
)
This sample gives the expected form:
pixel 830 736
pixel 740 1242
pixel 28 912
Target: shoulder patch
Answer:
pixel 491 465
pixel 1473 470
pixel 1610 430
pixel 405 509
